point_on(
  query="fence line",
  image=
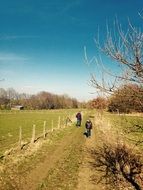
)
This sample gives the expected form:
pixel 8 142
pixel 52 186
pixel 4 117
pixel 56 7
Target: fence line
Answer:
pixel 21 144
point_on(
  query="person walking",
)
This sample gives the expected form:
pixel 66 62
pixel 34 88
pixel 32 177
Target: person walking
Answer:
pixel 79 119
pixel 88 126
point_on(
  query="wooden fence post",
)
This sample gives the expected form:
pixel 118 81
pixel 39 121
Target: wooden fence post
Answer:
pixel 52 128
pixel 63 123
pixel 44 130
pixel 33 134
pixel 20 136
pixel 59 121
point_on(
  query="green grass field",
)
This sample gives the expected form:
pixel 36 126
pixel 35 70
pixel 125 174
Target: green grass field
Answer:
pixel 11 121
pixel 131 127
pixel 62 153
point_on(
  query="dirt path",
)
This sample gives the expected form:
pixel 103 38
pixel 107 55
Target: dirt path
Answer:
pixel 101 130
pixel 86 170
pixel 53 156
pixel 41 170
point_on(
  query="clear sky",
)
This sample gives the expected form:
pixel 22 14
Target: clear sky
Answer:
pixel 42 42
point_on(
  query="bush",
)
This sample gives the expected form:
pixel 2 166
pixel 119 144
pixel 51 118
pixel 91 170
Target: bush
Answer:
pixel 118 164
pixel 128 98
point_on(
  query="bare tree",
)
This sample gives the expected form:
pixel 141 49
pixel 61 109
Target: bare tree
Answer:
pixel 3 93
pixel 123 48
pixel 118 164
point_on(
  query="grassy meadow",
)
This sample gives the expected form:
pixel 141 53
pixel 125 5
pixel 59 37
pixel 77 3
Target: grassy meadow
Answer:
pixel 11 121
pixel 59 163
pixel 130 127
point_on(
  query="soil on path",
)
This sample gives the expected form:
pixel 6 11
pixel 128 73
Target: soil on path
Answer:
pixel 52 158
pixel 86 171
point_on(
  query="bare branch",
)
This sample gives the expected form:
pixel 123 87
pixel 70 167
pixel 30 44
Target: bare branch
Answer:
pixel 125 49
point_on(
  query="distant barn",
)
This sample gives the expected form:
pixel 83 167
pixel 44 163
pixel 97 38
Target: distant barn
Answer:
pixel 17 108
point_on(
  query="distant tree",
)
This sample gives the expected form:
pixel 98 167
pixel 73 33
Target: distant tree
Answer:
pixel 12 94
pixel 4 100
pixel 43 100
pixel 75 103
pixel 4 103
pixel 128 98
pixel 98 103
pixel 3 93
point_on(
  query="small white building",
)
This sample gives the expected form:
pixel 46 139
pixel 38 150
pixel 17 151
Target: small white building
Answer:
pixel 18 107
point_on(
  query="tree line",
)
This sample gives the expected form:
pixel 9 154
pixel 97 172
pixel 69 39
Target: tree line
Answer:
pixel 42 100
pixel 126 99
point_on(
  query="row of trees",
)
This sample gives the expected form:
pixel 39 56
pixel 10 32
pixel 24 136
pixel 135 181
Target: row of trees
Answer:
pixel 42 100
pixel 127 98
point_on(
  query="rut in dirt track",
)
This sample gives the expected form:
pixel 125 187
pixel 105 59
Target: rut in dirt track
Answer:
pixel 35 177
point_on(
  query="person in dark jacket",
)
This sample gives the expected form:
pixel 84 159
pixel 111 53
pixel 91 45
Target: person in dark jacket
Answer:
pixel 88 126
pixel 79 119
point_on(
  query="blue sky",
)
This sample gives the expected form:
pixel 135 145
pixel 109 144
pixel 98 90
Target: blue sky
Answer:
pixel 42 42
